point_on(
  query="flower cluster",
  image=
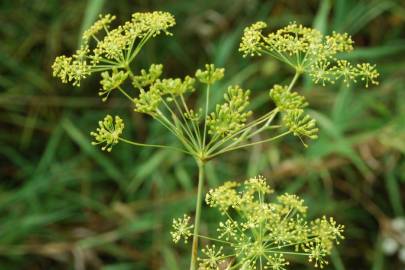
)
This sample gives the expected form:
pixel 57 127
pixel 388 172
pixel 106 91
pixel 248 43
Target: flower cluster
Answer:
pixel 292 105
pixel 181 229
pixel 159 90
pixel 147 77
pixel 307 50
pixel 231 115
pixel 108 132
pixel 301 124
pixel 148 101
pixel 210 75
pixel 70 69
pixel 102 23
pixel 114 48
pixel 259 234
pixel 175 87
pixel 110 82
pixel 286 100
pixel 252 39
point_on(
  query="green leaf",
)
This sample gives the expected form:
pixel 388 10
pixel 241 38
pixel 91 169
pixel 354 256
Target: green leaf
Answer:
pixel 170 259
pixel 394 191
pixel 321 19
pixel 337 260
pixel 373 53
pixel 378 256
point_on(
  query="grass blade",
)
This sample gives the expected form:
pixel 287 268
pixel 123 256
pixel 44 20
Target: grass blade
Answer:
pixel 93 8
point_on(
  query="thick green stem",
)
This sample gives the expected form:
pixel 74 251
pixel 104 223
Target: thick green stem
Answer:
pixel 194 250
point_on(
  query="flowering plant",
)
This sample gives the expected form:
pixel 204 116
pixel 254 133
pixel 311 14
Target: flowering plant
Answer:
pixel 306 50
pixel 256 234
pixel 202 132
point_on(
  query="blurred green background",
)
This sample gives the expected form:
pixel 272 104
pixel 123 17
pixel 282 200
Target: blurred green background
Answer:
pixel 64 204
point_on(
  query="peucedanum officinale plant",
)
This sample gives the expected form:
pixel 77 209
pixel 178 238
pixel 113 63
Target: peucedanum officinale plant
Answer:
pixel 206 134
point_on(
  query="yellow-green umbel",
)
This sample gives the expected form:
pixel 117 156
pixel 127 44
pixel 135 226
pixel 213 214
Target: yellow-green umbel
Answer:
pixel 258 232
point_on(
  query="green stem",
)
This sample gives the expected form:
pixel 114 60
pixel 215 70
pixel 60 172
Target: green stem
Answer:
pixel 294 80
pixel 195 125
pixel 194 250
pixel 288 252
pixel 139 46
pixel 248 144
pixel 97 69
pixel 265 126
pixel 131 74
pixel 166 123
pixel 175 131
pixel 246 136
pixel 207 100
pixel 178 122
pixel 282 58
pixel 186 126
pixel 155 146
pixel 215 240
pixel 104 60
pixel 125 94
pixel 241 132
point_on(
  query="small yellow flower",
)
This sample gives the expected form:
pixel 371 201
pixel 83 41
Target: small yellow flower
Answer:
pixel 111 82
pixel 181 229
pixel 368 73
pixel 108 132
pixel 286 100
pixel 102 23
pixel 301 124
pixel 230 116
pixel 153 23
pixel 175 86
pixel 148 101
pixel 252 40
pixel 70 70
pixel 147 77
pixel 210 75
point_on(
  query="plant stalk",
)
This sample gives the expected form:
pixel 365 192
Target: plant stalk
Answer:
pixel 294 80
pixel 194 249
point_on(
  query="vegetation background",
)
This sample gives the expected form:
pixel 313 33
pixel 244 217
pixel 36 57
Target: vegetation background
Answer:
pixel 64 204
